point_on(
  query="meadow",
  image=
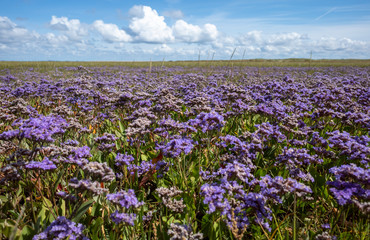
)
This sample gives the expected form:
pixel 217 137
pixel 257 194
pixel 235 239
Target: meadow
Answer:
pixel 253 149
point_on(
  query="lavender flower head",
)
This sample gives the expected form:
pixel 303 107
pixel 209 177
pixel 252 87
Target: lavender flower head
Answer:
pixel 351 186
pixel 45 165
pixel 125 199
pixel 43 128
pixel 208 121
pixel 106 142
pixel 176 146
pixel 123 159
pixel 118 218
pixel 62 228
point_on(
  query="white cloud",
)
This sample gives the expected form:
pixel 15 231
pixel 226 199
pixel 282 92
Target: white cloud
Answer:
pixel 164 48
pixel 11 34
pixel 285 38
pixel 148 26
pixel 148 36
pixel 193 33
pixel 111 32
pixel 73 29
pixel 186 32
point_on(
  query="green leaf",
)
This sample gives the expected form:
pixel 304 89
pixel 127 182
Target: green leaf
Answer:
pixel 27 232
pixel 121 127
pixel 61 173
pixel 82 210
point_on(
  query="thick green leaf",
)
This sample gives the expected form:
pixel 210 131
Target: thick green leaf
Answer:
pixel 82 210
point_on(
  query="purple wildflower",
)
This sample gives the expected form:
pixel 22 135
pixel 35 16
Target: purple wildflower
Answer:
pixel 118 218
pixel 123 159
pixel 62 228
pixel 42 129
pixel 125 199
pixel 208 121
pixel 176 146
pixel 45 165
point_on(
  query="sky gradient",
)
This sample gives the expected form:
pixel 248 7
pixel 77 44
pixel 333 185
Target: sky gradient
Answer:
pixel 120 30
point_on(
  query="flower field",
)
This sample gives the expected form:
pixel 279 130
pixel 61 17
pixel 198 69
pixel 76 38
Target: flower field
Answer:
pixel 182 152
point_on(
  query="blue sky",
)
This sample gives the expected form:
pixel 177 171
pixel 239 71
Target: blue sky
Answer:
pixel 121 30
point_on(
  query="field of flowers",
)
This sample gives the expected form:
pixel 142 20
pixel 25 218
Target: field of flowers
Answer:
pixel 185 153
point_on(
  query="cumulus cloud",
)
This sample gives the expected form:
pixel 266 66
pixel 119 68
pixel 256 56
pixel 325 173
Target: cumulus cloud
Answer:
pixel 148 26
pixel 110 32
pixel 11 34
pixel 193 33
pixel 148 35
pixel 73 29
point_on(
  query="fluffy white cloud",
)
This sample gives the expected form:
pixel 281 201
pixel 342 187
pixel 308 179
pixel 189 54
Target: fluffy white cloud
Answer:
pixel 285 38
pixel 193 33
pixel 73 29
pixel 111 32
pixel 148 26
pixel 11 34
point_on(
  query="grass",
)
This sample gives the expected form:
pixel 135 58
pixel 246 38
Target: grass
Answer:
pixel 44 66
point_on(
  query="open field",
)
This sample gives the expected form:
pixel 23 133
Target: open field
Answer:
pixel 45 65
pixel 253 149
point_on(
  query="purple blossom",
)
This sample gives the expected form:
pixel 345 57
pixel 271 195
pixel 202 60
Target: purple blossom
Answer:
pixel 79 156
pixel 268 131
pixel 45 165
pixel 9 135
pixel 125 199
pixel 144 167
pixel 123 159
pixel 42 128
pixel 176 146
pixel 208 121
pixel 295 159
pixel 118 218
pixel 351 184
pixel 62 228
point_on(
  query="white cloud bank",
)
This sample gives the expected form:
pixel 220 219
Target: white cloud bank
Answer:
pixel 148 36
pixel 110 32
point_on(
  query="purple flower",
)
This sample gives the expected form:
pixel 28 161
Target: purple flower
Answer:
pixel 326 226
pixel 45 165
pixel 176 146
pixel 42 128
pixel 9 135
pixel 351 184
pixel 144 167
pixel 79 156
pixel 125 199
pixel 106 138
pixel 118 218
pixel 62 228
pixel 296 158
pixel 208 121
pixel 123 159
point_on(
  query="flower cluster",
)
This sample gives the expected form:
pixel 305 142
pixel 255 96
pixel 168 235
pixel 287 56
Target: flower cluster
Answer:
pixel 294 159
pixel 167 195
pixel 176 146
pixel 45 165
pixel 62 228
pixel 208 121
pixel 126 200
pixel 351 185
